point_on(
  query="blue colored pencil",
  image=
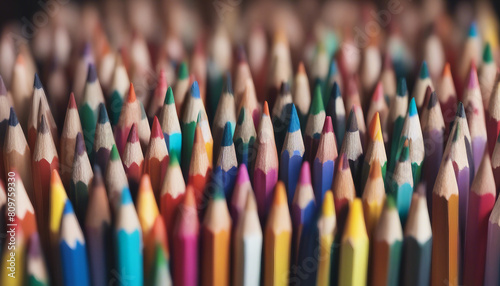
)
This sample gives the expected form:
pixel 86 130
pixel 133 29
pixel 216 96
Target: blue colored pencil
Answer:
pixel 73 249
pixel 227 164
pixel 324 163
pixel 292 154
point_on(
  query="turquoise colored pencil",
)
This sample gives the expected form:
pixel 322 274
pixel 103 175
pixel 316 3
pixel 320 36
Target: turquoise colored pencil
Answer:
pixel 291 155
pixel 128 242
pixel 401 185
pixel 170 126
pixel 73 250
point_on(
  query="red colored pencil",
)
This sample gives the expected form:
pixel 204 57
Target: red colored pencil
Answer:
pixel 200 166
pixel 45 160
pixel 481 201
pixel 493 115
pixel 156 159
pixel 133 161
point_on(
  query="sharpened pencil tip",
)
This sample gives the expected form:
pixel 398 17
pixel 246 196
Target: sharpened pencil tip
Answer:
pixel 460 110
pixel 352 121
pixel 13 117
pixel 305 174
pixel 37 83
pixel 424 70
pixel 169 96
pixel 227 137
pixel 487 54
pixel 156 131
pixel 412 110
pixel 80 144
pixel 114 155
pixel 195 90
pixel 103 114
pixel 132 135
pixel 402 89
pixel 228 86
pixel 44 127
pixel 183 71
pixel 433 100
pixel 279 194
pixel 294 124
pixel 126 197
pixel 92 73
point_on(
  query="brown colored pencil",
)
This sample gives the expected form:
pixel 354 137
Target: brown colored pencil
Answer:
pixel 71 128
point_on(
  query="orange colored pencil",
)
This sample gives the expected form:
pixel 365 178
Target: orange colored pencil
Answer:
pixel 200 166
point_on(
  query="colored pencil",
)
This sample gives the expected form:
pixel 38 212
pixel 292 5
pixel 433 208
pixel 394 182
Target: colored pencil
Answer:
pixel 492 262
pixel 89 106
pixel 133 160
pixel 445 226
pixel 115 179
pixel 227 163
pixel 280 68
pixel 291 155
pixel 16 153
pixel 379 105
pixel 242 76
pixel 303 212
pixel 216 241
pixel 387 246
pixel 39 106
pixel 104 140
pixel 375 150
pixel 327 228
pixel 24 211
pixel 373 198
pixel 170 125
pixel 324 163
pixel 172 195
pixel 160 274
pixel 353 103
pixel 314 126
pixel 131 113
pixel 487 74
pixel 401 184
pixel 471 52
pixel 336 110
pixel 447 97
pixel 265 174
pixel 186 238
pixel 36 269
pixel 98 231
pixel 493 115
pixel 473 104
pixel 280 114
pixel 417 243
pixel 73 249
pixel 80 180
pixel 239 199
pixel 119 87
pixel 194 107
pixel 397 114
pixel 343 191
pixel 71 128
pixel 458 149
pixel 334 76
pixel 421 84
pixel 247 241
pixel 147 212
pixel 277 240
pixel 181 87
pixel 50 241
pixel 200 167
pixel 20 89
pixel 156 159
pixel 224 114
pixel 354 248
pixel 245 134
pixel 16 277
pixel 481 201
pixel 352 148
pixel 5 106
pixel 433 128
pixel 412 130
pixel 45 160
pixel 301 93
pixel 86 58
pixel 128 242
pixel 158 97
